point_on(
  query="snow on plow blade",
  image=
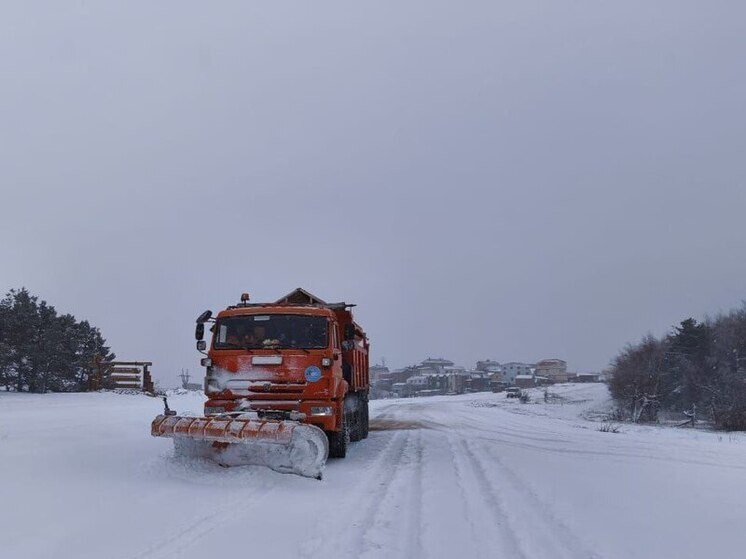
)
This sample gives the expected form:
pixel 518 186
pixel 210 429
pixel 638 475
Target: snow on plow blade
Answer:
pixel 284 446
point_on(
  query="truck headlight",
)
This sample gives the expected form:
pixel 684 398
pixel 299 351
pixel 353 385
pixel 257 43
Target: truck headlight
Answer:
pixel 211 387
pixel 322 410
pixel 206 362
pixel 325 362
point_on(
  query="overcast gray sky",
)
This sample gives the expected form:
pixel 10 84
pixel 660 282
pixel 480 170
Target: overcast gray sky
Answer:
pixel 512 180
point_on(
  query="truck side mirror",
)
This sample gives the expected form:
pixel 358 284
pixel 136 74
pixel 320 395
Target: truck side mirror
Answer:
pixel 201 345
pixel 199 332
pixel 204 317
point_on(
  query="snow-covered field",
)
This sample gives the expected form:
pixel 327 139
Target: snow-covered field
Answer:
pixel 460 476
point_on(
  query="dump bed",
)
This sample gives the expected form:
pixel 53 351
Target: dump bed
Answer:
pixel 355 349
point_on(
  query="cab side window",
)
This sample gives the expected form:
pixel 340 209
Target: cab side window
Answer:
pixel 335 335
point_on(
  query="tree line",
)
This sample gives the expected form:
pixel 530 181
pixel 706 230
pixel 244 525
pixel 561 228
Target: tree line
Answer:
pixel 43 351
pixel 697 369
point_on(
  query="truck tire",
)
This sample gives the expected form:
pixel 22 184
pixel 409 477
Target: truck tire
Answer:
pixel 356 417
pixel 355 427
pixel 339 440
pixel 364 420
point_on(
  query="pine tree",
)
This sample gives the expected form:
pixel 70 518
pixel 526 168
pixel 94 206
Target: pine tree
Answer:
pixel 42 351
pixel 688 370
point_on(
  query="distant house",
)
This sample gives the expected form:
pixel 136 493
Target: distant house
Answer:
pixel 429 385
pixel 438 382
pixel 418 382
pixel 399 375
pixel 588 377
pixel 479 381
pixel 402 390
pixel 513 369
pixel 436 376
pixel 385 380
pixel 554 369
pixel 380 382
pixel 452 380
pixel 489 366
pixel 525 381
pixel 376 371
pixel 456 383
pixel 437 364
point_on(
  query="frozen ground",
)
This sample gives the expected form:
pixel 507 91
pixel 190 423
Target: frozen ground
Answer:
pixel 462 476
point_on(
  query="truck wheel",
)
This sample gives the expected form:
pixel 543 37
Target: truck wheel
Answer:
pixel 355 416
pixel 339 440
pixel 355 427
pixel 364 420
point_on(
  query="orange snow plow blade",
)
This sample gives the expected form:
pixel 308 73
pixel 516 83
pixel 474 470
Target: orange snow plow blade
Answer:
pixel 284 446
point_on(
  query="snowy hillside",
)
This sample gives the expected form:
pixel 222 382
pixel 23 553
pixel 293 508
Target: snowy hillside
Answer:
pixel 462 476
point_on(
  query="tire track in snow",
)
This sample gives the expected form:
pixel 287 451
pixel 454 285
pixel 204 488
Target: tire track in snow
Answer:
pixel 555 536
pixel 493 501
pixel 554 438
pixel 471 516
pixel 621 454
pixel 508 427
pixel 583 443
pixel 415 543
pixel 366 504
pixel 188 533
pixel 377 530
pixel 386 412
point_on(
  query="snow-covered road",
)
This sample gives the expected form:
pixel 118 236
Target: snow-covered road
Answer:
pixel 462 476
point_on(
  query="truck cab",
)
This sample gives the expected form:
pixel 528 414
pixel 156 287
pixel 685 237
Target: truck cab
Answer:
pixel 298 358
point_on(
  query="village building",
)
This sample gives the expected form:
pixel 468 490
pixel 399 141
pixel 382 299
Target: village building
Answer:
pixel 513 369
pixel 553 369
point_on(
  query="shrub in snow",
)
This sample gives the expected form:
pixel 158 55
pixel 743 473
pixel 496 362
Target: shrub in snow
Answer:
pixel 609 428
pixel 700 364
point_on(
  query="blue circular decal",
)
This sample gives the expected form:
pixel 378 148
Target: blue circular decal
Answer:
pixel 313 373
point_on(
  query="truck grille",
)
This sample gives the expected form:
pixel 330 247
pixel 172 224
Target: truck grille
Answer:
pixel 268 394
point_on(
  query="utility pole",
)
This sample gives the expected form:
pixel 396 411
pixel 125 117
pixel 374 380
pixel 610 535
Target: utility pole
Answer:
pixel 184 378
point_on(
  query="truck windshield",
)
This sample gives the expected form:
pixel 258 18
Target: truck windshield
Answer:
pixel 272 331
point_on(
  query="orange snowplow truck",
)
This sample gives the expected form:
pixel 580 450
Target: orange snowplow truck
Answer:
pixel 287 384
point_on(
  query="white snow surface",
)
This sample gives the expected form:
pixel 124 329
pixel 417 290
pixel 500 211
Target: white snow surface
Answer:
pixel 466 476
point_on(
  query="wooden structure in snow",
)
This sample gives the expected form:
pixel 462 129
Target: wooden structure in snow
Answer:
pixel 134 375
